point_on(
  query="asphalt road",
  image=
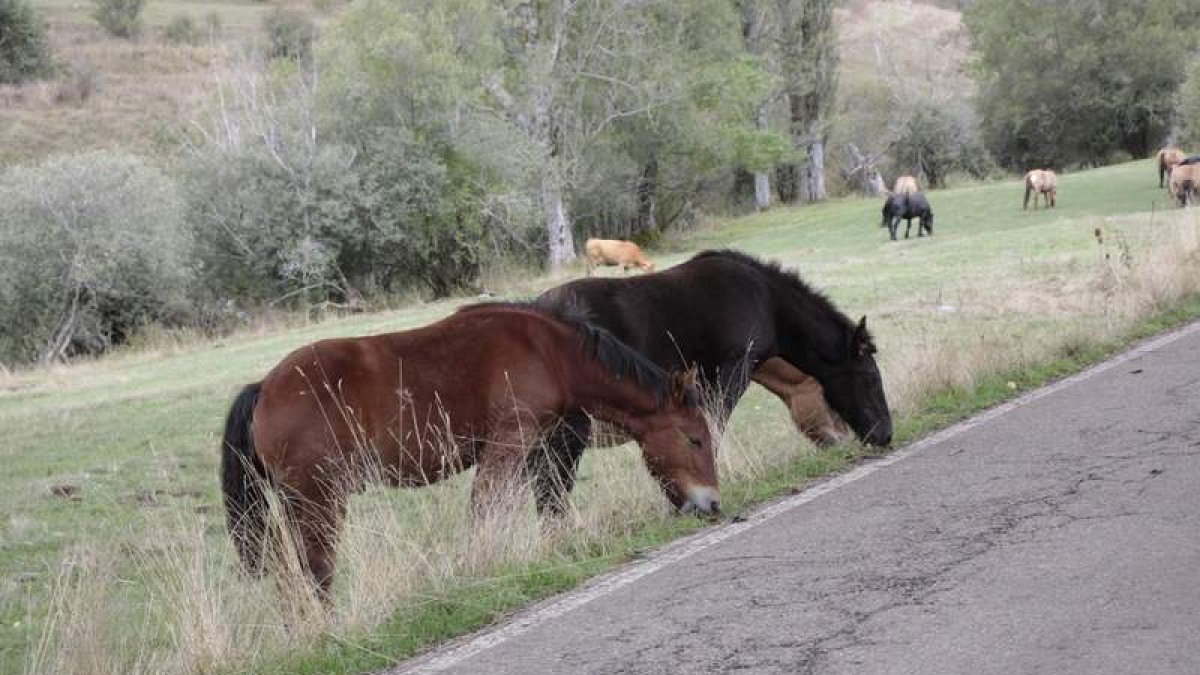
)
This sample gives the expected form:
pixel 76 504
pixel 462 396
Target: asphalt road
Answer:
pixel 1057 535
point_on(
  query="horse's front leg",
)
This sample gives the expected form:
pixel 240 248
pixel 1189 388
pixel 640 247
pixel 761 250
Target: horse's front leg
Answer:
pixel 893 225
pixel 552 466
pixel 907 227
pixel 498 470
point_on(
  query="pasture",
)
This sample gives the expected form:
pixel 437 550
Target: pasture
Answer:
pixel 113 535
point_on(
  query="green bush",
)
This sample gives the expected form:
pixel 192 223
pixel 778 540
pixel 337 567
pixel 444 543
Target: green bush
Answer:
pixel 182 29
pixel 92 247
pixel 290 34
pixel 24 49
pixel 120 18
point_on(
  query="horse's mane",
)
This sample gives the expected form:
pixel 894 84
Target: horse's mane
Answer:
pixel 789 280
pixel 599 345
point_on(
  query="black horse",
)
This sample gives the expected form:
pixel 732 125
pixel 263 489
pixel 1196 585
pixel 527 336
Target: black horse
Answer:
pixel 1193 159
pixel 725 312
pixel 907 206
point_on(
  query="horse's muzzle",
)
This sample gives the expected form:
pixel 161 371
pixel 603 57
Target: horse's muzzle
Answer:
pixel 702 501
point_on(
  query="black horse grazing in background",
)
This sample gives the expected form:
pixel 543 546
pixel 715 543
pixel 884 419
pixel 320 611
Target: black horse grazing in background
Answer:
pixel 907 206
pixel 725 312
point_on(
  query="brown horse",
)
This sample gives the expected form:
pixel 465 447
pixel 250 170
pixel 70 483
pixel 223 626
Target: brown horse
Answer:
pixel 616 253
pixel 1168 159
pixel 1043 182
pixel 477 388
pixel 1185 179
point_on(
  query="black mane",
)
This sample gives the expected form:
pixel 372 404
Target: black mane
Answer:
pixel 600 345
pixel 789 279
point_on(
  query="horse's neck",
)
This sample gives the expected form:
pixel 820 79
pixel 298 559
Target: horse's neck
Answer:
pixel 809 333
pixel 618 401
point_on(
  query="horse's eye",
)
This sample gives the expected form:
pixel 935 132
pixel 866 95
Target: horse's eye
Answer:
pixel 696 442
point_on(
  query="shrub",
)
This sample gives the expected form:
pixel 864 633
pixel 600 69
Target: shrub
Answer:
pixel 182 29
pixel 120 18
pixel 290 34
pixel 24 49
pixel 91 247
pixel 78 84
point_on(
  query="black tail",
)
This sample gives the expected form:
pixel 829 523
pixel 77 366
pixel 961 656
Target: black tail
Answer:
pixel 1029 189
pixel 243 480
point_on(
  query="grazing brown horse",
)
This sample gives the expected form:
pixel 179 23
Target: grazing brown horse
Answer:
pixel 905 185
pixel 1168 159
pixel 1043 182
pixel 1185 179
pixel 477 388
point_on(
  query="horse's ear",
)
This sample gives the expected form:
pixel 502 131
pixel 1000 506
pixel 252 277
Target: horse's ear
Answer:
pixel 683 386
pixel 860 343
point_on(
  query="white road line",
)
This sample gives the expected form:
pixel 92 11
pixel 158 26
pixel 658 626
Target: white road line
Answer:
pixel 458 651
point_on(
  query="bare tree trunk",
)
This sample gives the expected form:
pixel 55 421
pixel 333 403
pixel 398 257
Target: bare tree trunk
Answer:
pixel 647 196
pixel 562 241
pixel 762 180
pixel 814 171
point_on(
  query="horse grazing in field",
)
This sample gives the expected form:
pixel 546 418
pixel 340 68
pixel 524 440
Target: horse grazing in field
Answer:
pixel 616 253
pixel 477 388
pixel 1185 179
pixel 906 207
pixel 727 313
pixel 1168 159
pixel 1043 182
pixel 905 185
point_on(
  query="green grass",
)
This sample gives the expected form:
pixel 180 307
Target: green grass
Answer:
pixel 135 434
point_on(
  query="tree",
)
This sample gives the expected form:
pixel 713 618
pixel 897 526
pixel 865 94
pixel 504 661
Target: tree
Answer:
pixel 1074 81
pixel 24 49
pixel 808 59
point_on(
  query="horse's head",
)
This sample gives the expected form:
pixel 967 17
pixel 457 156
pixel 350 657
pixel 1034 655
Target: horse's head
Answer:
pixel 854 388
pixel 678 448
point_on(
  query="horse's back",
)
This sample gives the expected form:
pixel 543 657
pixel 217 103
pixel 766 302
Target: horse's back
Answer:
pixel 704 310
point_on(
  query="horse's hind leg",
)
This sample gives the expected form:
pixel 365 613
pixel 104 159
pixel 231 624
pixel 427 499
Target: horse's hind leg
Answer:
pixel 316 512
pixel 552 466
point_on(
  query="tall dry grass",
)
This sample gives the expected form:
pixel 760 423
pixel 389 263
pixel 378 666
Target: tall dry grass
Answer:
pixel 192 613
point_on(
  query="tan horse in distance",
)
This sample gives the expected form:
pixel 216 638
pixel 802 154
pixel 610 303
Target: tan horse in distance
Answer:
pixel 1043 182
pixel 1168 159
pixel 905 185
pixel 616 253
pixel 1185 178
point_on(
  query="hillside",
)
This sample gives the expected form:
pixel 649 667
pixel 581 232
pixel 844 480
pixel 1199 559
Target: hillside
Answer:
pixel 142 93
pixel 111 463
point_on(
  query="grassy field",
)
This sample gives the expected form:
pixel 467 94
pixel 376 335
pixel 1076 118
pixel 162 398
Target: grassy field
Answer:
pixel 112 550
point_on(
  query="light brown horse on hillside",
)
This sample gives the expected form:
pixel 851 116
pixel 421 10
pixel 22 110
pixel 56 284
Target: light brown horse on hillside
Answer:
pixel 1168 158
pixel 1043 182
pixel 477 388
pixel 1185 180
pixel 905 185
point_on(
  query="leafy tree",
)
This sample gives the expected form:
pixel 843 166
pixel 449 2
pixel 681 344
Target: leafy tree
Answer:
pixel 290 34
pixel 24 49
pixel 934 139
pixel 1073 81
pixel 91 247
pixel 808 61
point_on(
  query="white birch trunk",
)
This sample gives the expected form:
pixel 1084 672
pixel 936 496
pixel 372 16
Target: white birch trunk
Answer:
pixel 814 172
pixel 558 228
pixel 762 180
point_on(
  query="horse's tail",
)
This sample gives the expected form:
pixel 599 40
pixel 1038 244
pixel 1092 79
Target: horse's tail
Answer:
pixel 243 481
pixel 1028 191
pixel 1162 168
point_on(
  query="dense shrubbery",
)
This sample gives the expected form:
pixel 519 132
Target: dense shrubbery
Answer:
pixel 120 18
pixel 91 247
pixel 24 49
pixel 290 34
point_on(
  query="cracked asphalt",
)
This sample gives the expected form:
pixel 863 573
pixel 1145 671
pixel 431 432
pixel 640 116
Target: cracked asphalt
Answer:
pixel 1061 537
